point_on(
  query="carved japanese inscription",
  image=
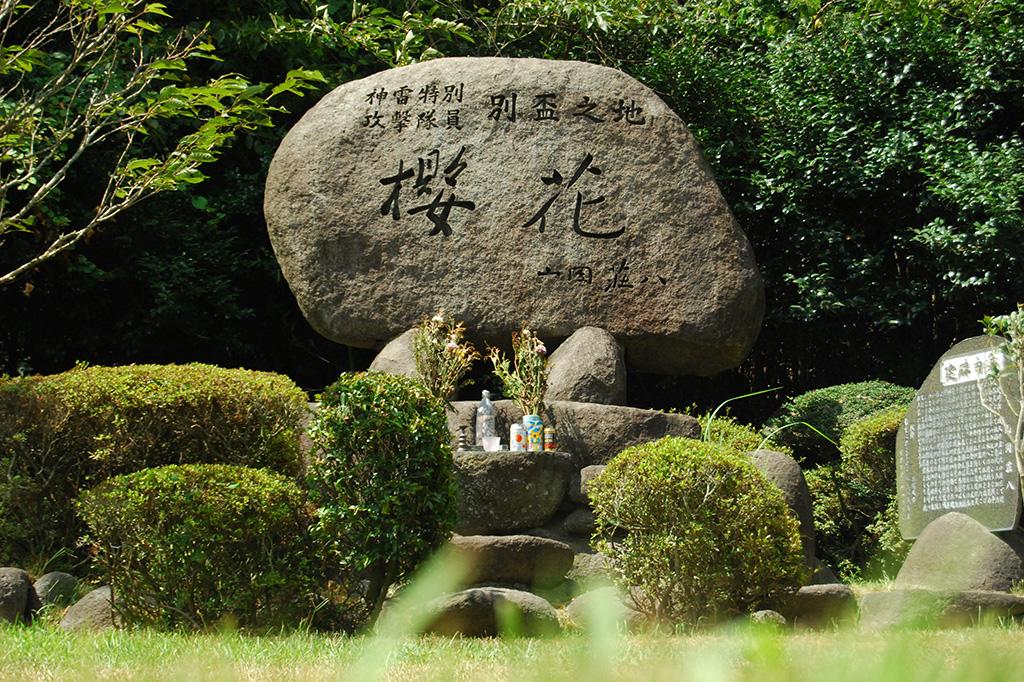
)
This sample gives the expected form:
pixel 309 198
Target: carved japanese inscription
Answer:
pixel 510 192
pixel 953 450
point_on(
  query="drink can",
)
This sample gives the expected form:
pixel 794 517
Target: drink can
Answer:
pixel 549 439
pixel 517 438
pixel 534 432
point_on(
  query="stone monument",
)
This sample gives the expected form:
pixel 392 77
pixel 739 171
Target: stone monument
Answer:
pixel 506 192
pixel 952 452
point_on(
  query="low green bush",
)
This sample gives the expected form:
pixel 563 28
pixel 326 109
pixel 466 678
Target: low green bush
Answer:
pixel 831 410
pixel 381 479
pixel 186 547
pixel 698 529
pixel 855 500
pixel 729 433
pixel 63 433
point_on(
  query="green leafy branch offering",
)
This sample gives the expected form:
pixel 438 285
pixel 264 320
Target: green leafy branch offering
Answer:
pixel 527 382
pixel 84 76
pixel 442 357
pixel 1010 377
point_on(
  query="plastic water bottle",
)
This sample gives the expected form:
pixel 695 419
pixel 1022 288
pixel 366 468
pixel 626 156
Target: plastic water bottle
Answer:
pixel 485 419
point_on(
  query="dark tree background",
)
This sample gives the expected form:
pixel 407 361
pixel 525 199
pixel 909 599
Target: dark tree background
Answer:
pixel 872 151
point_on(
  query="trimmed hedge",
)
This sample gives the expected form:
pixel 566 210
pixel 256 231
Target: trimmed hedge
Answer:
pixel 381 477
pixel 855 500
pixel 831 410
pixel 63 433
pixel 701 532
pixel 185 547
pixel 729 433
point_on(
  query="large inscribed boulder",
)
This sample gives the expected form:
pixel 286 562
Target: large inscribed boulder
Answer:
pixel 512 191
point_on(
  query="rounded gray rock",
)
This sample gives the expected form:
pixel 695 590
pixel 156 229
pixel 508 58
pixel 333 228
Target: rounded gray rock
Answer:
pixel 580 483
pixel 94 611
pixel 955 552
pixel 816 606
pixel 492 611
pixel 56 587
pixel 768 617
pixel 397 356
pixel 15 586
pixel 785 473
pixel 924 608
pixel 502 492
pixel 589 367
pixel 579 523
pixel 522 559
pixel 504 191
pixel 603 603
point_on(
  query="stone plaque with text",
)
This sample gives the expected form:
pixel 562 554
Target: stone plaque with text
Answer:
pixel 505 192
pixel 953 452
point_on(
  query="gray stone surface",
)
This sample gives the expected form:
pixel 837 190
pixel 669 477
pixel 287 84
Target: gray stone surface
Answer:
pixel 502 492
pixel 15 586
pixel 483 611
pixel 580 482
pixel 589 367
pixel 521 559
pixel 785 473
pixel 601 603
pixel 768 617
pixel 397 356
pixel 636 237
pixel 56 587
pixel 94 611
pixel 955 552
pixel 590 568
pixel 592 433
pixel 823 575
pixel 818 606
pixel 579 523
pixel 923 608
pixel 952 453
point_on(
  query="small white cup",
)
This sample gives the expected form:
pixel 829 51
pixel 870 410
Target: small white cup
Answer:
pixel 492 443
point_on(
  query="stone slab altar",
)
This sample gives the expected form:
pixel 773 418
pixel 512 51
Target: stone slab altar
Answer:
pixel 952 453
pixel 508 192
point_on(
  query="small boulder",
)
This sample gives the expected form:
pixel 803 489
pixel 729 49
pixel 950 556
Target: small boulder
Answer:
pixel 823 575
pixel 397 357
pixel 579 523
pixel 15 586
pixel 785 473
pixel 504 492
pixel 579 485
pixel 588 367
pixel 817 606
pixel 491 611
pixel 768 617
pixel 521 559
pixel 56 587
pixel 94 611
pixel 924 608
pixel 955 552
pixel 590 569
pixel 603 602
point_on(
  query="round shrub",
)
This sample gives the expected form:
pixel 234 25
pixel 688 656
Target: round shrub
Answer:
pixel 831 410
pixel 62 433
pixel 729 433
pixel 700 531
pixel 382 482
pixel 188 546
pixel 854 499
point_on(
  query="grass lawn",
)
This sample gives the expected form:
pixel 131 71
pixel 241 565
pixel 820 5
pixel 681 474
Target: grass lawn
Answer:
pixel 978 655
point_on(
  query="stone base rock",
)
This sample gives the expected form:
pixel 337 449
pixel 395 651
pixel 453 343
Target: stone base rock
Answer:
pixel 56 588
pixel 817 606
pixel 579 484
pixel 588 367
pixel 922 608
pixel 785 473
pixel 491 611
pixel 603 602
pixel 94 611
pixel 15 586
pixel 522 559
pixel 954 552
pixel 502 492
pixel 397 357
pixel 593 433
